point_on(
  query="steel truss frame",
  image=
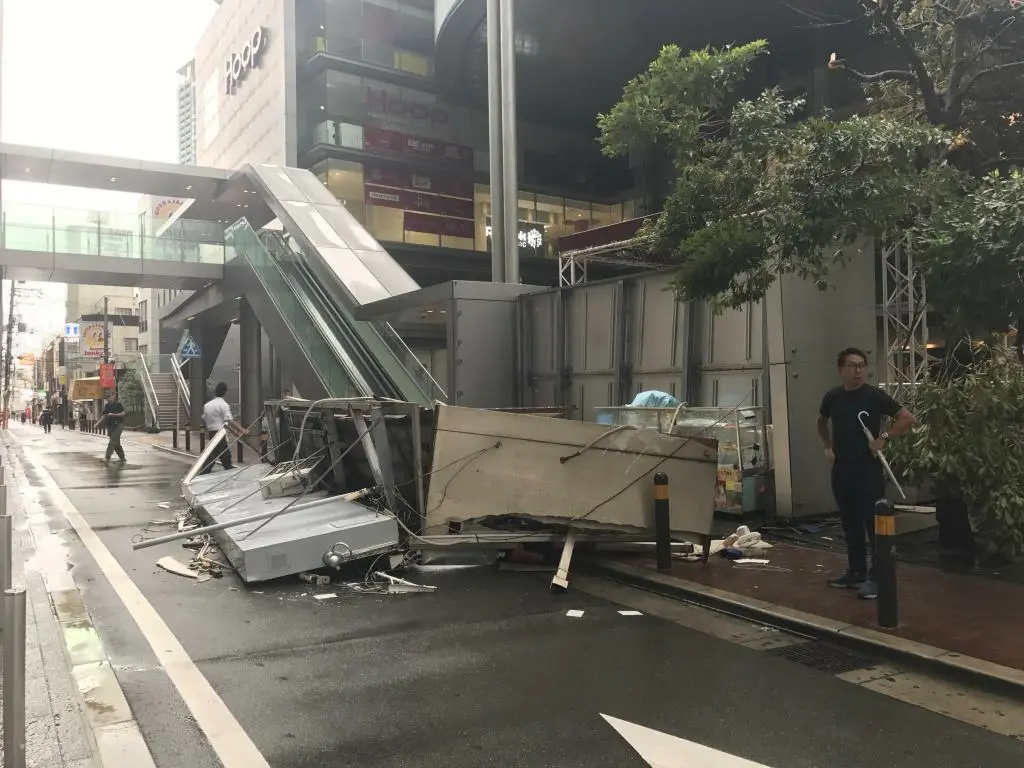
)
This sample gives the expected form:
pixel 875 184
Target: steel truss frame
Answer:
pixel 904 319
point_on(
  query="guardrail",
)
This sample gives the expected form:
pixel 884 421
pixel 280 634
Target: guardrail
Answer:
pixel 12 633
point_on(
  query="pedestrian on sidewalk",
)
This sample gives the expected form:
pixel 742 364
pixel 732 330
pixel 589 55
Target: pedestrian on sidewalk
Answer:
pixel 858 479
pixel 217 414
pixel 113 418
pixel 46 420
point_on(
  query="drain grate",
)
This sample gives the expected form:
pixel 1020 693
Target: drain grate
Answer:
pixel 824 657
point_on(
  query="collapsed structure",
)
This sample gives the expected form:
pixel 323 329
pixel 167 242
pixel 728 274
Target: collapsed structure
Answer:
pixel 348 479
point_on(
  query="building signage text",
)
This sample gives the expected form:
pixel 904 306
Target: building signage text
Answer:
pixel 392 109
pixel 239 64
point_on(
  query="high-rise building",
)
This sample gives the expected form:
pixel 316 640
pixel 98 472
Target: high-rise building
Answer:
pixel 187 114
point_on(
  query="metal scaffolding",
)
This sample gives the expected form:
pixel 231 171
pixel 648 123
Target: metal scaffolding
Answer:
pixel 904 319
pixel 572 265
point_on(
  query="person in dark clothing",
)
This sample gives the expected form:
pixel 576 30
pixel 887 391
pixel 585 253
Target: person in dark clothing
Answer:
pixel 858 480
pixel 113 419
pixel 46 420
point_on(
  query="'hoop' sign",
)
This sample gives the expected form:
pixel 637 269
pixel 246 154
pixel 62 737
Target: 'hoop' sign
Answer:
pixel 239 64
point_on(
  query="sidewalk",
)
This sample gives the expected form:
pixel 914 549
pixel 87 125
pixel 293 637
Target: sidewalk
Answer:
pixel 55 729
pixel 968 623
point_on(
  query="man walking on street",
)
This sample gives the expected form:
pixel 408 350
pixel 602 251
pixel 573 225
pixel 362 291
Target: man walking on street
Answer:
pixel 113 418
pixel 217 414
pixel 858 480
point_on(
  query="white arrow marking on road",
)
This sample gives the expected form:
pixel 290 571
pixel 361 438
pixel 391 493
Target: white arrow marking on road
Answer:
pixel 660 750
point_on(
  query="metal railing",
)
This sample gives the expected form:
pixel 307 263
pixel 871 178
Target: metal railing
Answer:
pixel 150 392
pixel 184 396
pixel 12 633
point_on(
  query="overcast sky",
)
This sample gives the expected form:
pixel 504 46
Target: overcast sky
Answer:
pixel 95 76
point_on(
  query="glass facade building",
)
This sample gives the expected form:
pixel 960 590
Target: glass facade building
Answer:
pixel 361 109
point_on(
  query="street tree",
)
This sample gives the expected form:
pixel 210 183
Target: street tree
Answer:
pixel 933 157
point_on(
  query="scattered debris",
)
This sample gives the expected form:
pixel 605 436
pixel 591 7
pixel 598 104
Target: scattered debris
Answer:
pixel 751 561
pixel 574 614
pixel 175 566
pixel 630 613
pixel 315 578
pixel 325 596
pixel 164 505
pixel 397 586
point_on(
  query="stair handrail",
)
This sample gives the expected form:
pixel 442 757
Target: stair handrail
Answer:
pixel 184 396
pixel 150 392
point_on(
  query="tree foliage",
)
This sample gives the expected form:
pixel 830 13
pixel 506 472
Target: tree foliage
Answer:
pixel 967 444
pixel 759 194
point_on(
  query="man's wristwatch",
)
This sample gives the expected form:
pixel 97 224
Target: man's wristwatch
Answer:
pixel 884 436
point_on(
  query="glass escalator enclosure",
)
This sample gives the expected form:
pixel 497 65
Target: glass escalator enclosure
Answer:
pixel 338 373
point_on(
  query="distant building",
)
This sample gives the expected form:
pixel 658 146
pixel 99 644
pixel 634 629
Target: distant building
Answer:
pixel 187 114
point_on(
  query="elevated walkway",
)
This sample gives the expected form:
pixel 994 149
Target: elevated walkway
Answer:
pixel 304 280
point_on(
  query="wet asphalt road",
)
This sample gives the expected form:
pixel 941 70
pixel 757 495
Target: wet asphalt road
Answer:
pixel 486 671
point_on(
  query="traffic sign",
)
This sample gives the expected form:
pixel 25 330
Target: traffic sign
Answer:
pixel 72 331
pixel 189 348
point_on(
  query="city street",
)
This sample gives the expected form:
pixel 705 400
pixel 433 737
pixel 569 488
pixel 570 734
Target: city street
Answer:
pixel 489 670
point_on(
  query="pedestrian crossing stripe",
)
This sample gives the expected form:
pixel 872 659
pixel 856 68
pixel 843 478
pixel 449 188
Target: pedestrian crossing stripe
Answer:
pixel 190 348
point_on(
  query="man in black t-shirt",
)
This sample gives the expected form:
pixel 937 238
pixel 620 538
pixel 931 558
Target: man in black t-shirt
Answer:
pixel 858 480
pixel 113 418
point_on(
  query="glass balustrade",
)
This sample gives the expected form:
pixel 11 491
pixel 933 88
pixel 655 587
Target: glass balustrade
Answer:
pixel 44 229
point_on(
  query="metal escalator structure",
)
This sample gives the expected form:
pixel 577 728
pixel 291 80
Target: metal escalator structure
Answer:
pixel 304 284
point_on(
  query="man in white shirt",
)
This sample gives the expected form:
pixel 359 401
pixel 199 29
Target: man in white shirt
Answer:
pixel 217 414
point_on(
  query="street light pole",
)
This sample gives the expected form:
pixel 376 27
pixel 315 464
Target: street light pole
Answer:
pixel 494 145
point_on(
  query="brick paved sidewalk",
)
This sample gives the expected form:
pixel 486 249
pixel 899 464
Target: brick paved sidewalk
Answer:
pixel 961 613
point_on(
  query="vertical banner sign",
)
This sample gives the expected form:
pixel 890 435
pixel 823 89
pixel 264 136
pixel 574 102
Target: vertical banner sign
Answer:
pixel 108 379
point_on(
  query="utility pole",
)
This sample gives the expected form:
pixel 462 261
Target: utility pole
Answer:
pixel 8 358
pixel 106 331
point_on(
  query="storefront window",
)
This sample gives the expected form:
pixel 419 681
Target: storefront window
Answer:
pixel 603 215
pixel 345 182
pixel 388 33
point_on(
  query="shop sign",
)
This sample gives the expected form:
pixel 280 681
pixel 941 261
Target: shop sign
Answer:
pixel 108 379
pixel 531 235
pixel 389 108
pixel 437 184
pixel 411 200
pixel 239 64
pixel 92 340
pixel 380 140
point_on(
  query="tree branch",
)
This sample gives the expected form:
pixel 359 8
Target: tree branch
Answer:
pixel 992 71
pixel 932 102
pixel 903 75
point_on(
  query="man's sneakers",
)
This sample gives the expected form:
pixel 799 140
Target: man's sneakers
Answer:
pixel 847 580
pixel 867 589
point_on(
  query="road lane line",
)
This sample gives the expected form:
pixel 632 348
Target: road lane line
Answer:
pixel 228 739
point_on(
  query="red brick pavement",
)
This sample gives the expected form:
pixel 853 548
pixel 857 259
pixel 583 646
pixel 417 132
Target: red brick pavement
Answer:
pixel 966 614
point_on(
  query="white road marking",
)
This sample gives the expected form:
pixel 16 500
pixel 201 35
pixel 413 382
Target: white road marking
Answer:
pixel 574 613
pixel 660 750
pixel 228 739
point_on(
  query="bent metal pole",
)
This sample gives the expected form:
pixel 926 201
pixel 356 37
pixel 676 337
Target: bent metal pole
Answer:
pixel 881 456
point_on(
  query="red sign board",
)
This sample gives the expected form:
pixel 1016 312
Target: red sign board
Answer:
pixel 380 140
pixel 438 225
pixel 108 379
pixel 437 184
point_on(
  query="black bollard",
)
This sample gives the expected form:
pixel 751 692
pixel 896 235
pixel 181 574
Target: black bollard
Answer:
pixel 188 440
pixel 885 564
pixel 202 440
pixel 662 526
pixel 263 445
pixel 174 439
pixel 240 441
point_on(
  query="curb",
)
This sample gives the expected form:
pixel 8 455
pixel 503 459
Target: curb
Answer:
pixel 175 452
pixel 979 671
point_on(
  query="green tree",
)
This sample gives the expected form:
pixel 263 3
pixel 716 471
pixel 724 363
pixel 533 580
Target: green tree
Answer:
pixel 759 194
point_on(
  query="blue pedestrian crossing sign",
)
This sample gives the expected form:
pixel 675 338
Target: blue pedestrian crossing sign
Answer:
pixel 189 348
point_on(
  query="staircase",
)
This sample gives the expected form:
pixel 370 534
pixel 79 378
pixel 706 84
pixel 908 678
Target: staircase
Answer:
pixel 169 408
